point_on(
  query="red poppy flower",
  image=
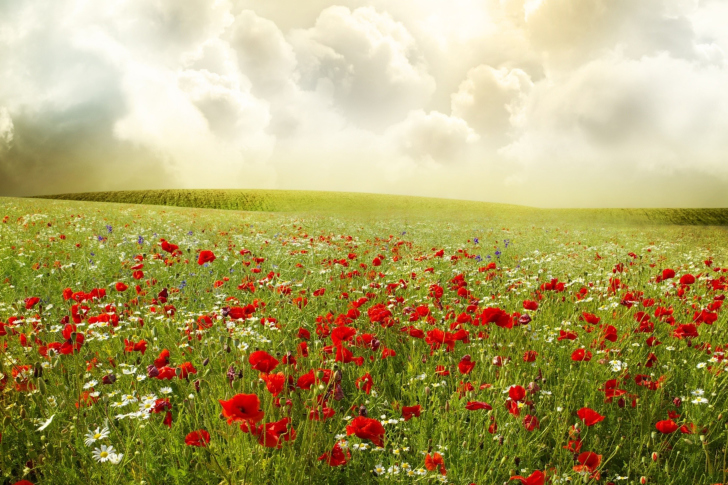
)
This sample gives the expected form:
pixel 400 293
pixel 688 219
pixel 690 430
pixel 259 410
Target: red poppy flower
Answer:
pixel 168 247
pixel 166 372
pixel 130 346
pixel 198 438
pixel 566 335
pixel 409 411
pixel 121 286
pixel 589 416
pixel 162 360
pixel 186 369
pixel 466 365
pixel 498 316
pixel 31 302
pixel 686 330
pixel 273 435
pixel 668 273
pixel 435 461
pixel 530 356
pixel 364 383
pixel 275 383
pixel 581 355
pixel 517 393
pixel 530 305
pixel 535 478
pixel 531 422
pixel 262 361
pixel 442 370
pixel 667 426
pixel 687 279
pixel 205 256
pixel 589 318
pixel 242 407
pixel 337 456
pixel 477 405
pixel 306 381
pixel 367 428
pixel 590 461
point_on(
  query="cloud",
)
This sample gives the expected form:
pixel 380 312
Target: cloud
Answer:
pixel 6 128
pixel 574 31
pixel 432 138
pixel 617 120
pixel 368 61
pixel 491 100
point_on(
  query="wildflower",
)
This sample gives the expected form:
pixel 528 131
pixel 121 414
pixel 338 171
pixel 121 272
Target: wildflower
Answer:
pixel 198 438
pixel 366 428
pixel 535 478
pixel 242 407
pixel 435 461
pixel 103 454
pixel 46 423
pixel 94 436
pixel 338 455
pixel 115 458
pixel 589 416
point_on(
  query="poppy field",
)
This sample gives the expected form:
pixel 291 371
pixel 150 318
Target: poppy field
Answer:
pixel 161 345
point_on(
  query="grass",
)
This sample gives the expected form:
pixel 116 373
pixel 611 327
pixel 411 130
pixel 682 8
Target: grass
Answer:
pixel 359 204
pixel 378 276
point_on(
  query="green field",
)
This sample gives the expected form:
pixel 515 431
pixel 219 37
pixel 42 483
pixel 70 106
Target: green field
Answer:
pixel 359 339
pixel 393 205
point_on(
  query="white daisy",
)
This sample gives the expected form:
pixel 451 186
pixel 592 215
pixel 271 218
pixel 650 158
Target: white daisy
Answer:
pixel 94 436
pixel 115 458
pixel 46 424
pixel 104 453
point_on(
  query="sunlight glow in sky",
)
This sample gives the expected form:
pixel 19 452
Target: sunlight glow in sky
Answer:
pixel 551 103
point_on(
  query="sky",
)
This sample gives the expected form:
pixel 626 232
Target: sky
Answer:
pixel 547 103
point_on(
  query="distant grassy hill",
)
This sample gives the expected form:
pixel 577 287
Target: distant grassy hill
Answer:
pixel 392 205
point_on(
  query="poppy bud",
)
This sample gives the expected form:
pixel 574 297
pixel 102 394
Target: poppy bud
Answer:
pixel 152 371
pixel 38 372
pixel 41 386
pixel 197 386
pixel 621 402
pixel 655 456
pixel 338 392
pixel 517 461
pixel 109 379
pixel 363 410
pixel 206 361
pixel 427 390
pixel 677 402
pixel 643 480
pixel 533 388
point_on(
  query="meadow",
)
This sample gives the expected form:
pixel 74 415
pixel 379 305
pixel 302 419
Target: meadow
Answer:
pixel 326 343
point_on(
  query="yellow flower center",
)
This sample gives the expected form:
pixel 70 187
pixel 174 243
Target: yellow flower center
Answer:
pixel 104 454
